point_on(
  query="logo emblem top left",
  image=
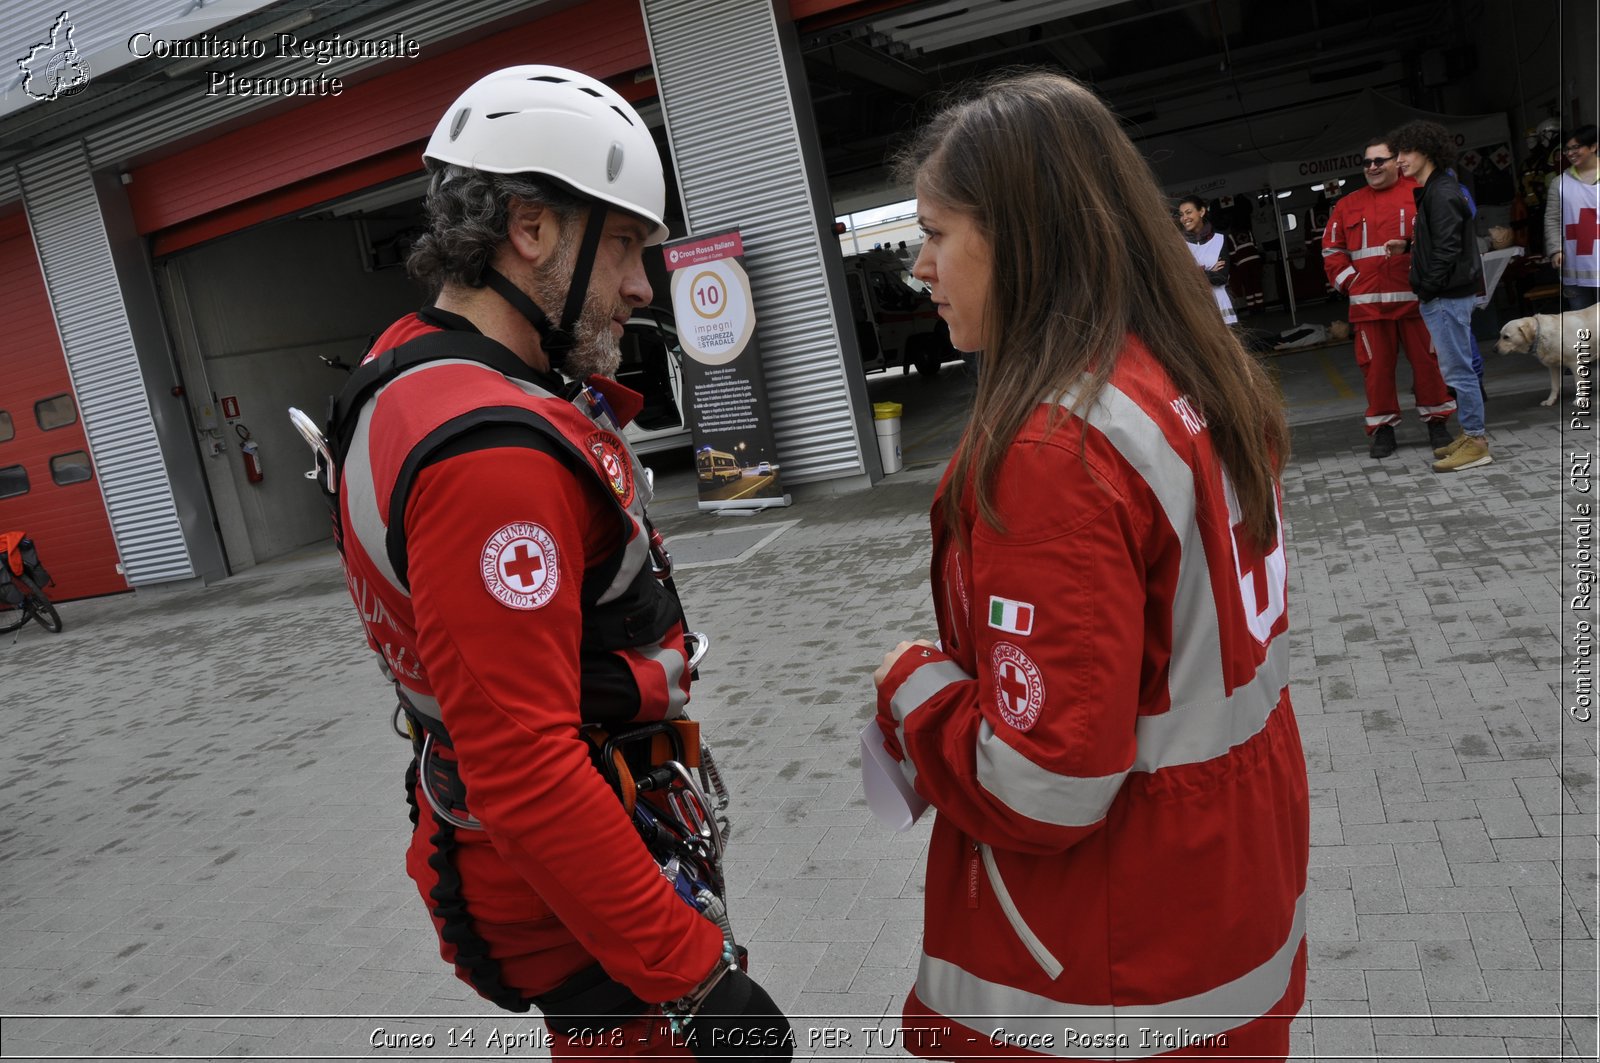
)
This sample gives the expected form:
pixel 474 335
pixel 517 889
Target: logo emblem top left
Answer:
pixel 55 68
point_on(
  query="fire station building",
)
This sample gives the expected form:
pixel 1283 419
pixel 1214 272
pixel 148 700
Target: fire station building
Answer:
pixel 204 208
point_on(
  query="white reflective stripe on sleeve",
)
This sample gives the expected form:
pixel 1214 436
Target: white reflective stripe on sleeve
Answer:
pixel 1138 1031
pixel 1383 297
pixel 1038 793
pixel 1344 275
pixel 1036 948
pixel 1330 251
pixel 671 663
pixel 918 687
pixel 1369 252
pixel 923 684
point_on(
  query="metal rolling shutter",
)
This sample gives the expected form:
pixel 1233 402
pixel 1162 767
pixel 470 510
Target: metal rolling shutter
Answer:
pixel 736 145
pixel 75 256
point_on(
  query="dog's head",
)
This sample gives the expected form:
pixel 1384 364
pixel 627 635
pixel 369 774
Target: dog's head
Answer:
pixel 1518 337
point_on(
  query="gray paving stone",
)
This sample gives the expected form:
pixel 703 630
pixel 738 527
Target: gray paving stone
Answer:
pixel 1427 659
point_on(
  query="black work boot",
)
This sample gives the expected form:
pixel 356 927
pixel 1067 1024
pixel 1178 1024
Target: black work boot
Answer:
pixel 1382 441
pixel 1438 435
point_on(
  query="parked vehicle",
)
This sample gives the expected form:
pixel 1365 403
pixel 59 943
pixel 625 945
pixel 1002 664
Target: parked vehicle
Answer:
pixel 652 365
pixel 716 466
pixel 896 322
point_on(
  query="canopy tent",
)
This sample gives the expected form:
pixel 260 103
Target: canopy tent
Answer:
pixel 1186 167
pixel 1336 151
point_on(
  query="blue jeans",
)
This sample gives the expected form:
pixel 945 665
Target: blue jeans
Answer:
pixel 1449 322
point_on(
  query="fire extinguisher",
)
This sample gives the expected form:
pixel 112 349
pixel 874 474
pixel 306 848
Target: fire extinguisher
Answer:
pixel 250 451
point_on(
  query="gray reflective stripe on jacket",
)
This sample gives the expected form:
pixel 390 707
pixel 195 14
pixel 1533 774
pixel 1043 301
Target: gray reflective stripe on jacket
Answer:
pixel 1136 1031
pixel 1383 297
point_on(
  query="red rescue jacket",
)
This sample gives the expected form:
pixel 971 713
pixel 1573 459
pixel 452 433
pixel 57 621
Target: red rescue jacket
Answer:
pixel 1353 256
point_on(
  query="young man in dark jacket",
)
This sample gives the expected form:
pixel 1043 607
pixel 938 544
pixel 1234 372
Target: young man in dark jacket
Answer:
pixel 1445 271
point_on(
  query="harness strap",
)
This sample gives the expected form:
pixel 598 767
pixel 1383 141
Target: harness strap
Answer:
pixel 374 373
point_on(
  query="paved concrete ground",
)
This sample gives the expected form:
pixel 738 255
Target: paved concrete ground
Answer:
pixel 202 849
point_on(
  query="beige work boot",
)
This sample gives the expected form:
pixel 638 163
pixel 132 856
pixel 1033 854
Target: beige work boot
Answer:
pixel 1450 447
pixel 1469 453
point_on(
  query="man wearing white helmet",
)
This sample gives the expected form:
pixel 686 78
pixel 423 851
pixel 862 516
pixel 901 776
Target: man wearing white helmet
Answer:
pixel 492 523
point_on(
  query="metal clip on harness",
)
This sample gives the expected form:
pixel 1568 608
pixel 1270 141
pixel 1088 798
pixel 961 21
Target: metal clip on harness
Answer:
pixel 425 778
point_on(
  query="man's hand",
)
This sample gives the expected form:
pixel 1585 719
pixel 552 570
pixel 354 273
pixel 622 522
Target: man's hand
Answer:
pixel 894 655
pixel 1556 258
pixel 1394 247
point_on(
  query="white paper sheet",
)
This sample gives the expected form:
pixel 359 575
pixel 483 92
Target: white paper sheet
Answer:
pixel 890 796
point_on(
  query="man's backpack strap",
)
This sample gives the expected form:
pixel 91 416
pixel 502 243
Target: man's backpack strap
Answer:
pixel 345 408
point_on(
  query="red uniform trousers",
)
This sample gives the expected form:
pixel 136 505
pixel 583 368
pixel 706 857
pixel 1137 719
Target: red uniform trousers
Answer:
pixel 1377 347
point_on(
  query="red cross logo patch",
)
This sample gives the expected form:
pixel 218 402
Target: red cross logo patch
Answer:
pixel 1470 161
pixel 1501 157
pixel 519 566
pixel 1018 686
pixel 613 463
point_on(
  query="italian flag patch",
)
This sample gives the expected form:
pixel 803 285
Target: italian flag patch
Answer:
pixel 1015 618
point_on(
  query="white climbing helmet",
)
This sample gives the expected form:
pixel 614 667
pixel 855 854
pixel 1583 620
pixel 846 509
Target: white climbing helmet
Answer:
pixel 562 124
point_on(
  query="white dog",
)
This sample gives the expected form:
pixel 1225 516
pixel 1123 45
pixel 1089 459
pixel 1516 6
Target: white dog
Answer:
pixel 1554 340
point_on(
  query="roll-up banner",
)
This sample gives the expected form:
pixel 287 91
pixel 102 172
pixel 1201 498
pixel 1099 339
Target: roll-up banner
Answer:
pixel 723 380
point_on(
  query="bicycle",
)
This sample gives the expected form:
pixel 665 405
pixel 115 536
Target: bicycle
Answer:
pixel 22 583
pixel 36 605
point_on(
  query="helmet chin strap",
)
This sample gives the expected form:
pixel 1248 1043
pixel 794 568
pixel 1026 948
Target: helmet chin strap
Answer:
pixel 556 340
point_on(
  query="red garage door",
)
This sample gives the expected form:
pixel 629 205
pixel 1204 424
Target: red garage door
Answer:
pixel 48 484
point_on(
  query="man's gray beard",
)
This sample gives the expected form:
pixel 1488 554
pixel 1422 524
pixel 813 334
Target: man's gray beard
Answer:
pixel 595 352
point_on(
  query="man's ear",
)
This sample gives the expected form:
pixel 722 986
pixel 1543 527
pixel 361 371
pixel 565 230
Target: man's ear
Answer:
pixel 532 231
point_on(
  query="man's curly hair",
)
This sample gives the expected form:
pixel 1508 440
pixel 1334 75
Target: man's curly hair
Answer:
pixel 1429 138
pixel 467 219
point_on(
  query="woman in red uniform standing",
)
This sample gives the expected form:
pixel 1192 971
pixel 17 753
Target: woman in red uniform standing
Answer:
pixel 1118 864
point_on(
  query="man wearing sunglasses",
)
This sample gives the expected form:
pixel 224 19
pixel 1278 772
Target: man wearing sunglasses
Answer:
pixel 1572 221
pixel 1383 308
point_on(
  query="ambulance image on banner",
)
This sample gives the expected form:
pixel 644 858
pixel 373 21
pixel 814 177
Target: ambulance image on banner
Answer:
pixel 716 466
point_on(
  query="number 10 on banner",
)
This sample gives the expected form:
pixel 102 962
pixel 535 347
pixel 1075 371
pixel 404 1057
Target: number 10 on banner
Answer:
pixel 709 295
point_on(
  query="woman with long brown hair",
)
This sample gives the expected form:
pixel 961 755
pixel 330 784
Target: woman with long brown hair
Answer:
pixel 1118 864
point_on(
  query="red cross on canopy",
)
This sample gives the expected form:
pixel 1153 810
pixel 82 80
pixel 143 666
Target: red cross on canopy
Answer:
pixel 1582 234
pixel 523 565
